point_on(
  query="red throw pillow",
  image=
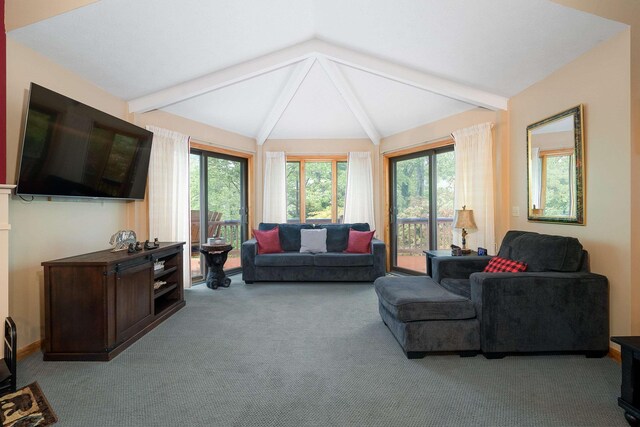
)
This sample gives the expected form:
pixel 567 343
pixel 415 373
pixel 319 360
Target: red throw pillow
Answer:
pixel 359 242
pixel 268 241
pixel 504 265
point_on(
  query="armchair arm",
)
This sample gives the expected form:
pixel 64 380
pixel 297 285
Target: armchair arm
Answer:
pixel 248 253
pixel 379 251
pixel 545 311
pixel 457 267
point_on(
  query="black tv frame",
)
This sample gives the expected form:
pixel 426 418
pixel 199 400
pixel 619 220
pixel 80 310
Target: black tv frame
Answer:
pixel 112 174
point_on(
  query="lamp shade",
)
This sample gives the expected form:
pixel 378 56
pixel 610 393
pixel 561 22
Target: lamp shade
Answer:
pixel 464 218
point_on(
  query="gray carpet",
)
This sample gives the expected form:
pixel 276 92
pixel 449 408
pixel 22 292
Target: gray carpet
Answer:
pixel 314 355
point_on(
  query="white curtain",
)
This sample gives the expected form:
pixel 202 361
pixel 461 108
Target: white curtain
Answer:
pixel 274 206
pixel 572 186
pixel 536 179
pixel 474 184
pixel 169 214
pixel 358 205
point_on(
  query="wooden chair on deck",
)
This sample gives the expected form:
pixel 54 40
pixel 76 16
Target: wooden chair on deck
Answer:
pixel 213 228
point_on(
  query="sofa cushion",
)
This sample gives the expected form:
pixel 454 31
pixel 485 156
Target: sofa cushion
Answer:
pixel 286 259
pixel 504 265
pixel 542 252
pixel 338 234
pixel 268 241
pixel 460 287
pixel 420 298
pixel 331 259
pixel 359 242
pixel 289 234
pixel 314 241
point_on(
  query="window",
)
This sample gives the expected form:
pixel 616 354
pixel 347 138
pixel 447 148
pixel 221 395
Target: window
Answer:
pixel 316 190
pixel 558 169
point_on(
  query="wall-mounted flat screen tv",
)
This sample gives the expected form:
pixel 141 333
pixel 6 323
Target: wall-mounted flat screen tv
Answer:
pixel 70 149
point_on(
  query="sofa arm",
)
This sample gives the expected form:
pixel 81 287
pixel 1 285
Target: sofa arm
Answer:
pixel 379 251
pixel 457 267
pixel 546 311
pixel 248 253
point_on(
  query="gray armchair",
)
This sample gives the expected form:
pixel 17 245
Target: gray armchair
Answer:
pixel 557 305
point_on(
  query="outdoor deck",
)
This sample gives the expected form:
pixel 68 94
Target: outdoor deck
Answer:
pixel 412 238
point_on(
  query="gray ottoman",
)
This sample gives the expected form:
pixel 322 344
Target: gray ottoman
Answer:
pixel 424 317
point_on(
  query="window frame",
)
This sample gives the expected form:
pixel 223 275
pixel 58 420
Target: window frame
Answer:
pixel 334 160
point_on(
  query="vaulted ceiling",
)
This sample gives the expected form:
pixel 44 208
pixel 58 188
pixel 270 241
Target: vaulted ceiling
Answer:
pixel 316 68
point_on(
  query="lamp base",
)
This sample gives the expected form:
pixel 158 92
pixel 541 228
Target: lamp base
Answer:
pixel 466 251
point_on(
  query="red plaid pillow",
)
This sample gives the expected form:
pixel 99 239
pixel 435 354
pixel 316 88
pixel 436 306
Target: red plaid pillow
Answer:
pixel 504 265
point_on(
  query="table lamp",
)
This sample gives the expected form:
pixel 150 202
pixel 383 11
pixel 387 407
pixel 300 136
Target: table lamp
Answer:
pixel 464 219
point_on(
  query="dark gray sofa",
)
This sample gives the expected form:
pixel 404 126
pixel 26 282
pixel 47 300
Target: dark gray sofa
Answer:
pixel 332 266
pixel 557 305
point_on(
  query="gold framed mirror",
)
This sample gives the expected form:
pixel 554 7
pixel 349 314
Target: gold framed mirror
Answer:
pixel 555 163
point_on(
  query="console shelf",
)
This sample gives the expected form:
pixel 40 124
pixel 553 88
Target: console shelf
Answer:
pixel 164 289
pixel 164 272
pixel 98 304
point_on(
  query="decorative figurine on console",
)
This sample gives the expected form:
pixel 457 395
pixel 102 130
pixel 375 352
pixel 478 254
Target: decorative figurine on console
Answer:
pixel 456 250
pixel 138 246
pixel 122 239
pixel 132 248
pixel 149 245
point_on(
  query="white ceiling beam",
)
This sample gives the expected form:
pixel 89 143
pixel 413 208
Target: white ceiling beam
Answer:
pixel 343 87
pixel 311 48
pixel 411 77
pixel 222 78
pixel 285 97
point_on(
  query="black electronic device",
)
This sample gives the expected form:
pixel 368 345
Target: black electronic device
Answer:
pixel 70 149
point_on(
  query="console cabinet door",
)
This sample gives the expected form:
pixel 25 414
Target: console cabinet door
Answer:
pixel 133 299
pixel 75 309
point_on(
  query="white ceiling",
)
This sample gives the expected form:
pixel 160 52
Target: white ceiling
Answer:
pixel 362 82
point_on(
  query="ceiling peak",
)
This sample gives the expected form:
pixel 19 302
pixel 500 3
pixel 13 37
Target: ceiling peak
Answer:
pixel 311 49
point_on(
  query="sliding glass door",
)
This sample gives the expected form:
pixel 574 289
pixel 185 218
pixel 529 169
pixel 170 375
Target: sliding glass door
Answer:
pixel 421 211
pixel 218 206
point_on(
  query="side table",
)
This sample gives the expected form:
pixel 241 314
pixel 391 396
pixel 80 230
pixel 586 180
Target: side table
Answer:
pixel 216 256
pixel 441 252
pixel 629 399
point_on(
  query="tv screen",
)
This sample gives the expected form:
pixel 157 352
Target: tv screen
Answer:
pixel 73 150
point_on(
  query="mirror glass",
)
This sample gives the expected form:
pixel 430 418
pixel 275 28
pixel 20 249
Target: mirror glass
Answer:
pixel 555 150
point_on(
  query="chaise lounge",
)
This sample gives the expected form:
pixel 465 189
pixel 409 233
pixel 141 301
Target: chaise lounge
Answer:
pixel 556 305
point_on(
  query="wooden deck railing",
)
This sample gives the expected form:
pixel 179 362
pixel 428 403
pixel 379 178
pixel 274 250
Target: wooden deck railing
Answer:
pixel 413 234
pixel 231 232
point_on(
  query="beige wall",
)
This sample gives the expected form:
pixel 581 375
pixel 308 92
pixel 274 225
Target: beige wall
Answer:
pixel 600 79
pixel 20 13
pixel 627 11
pixel 197 131
pixel 433 133
pixel 43 230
